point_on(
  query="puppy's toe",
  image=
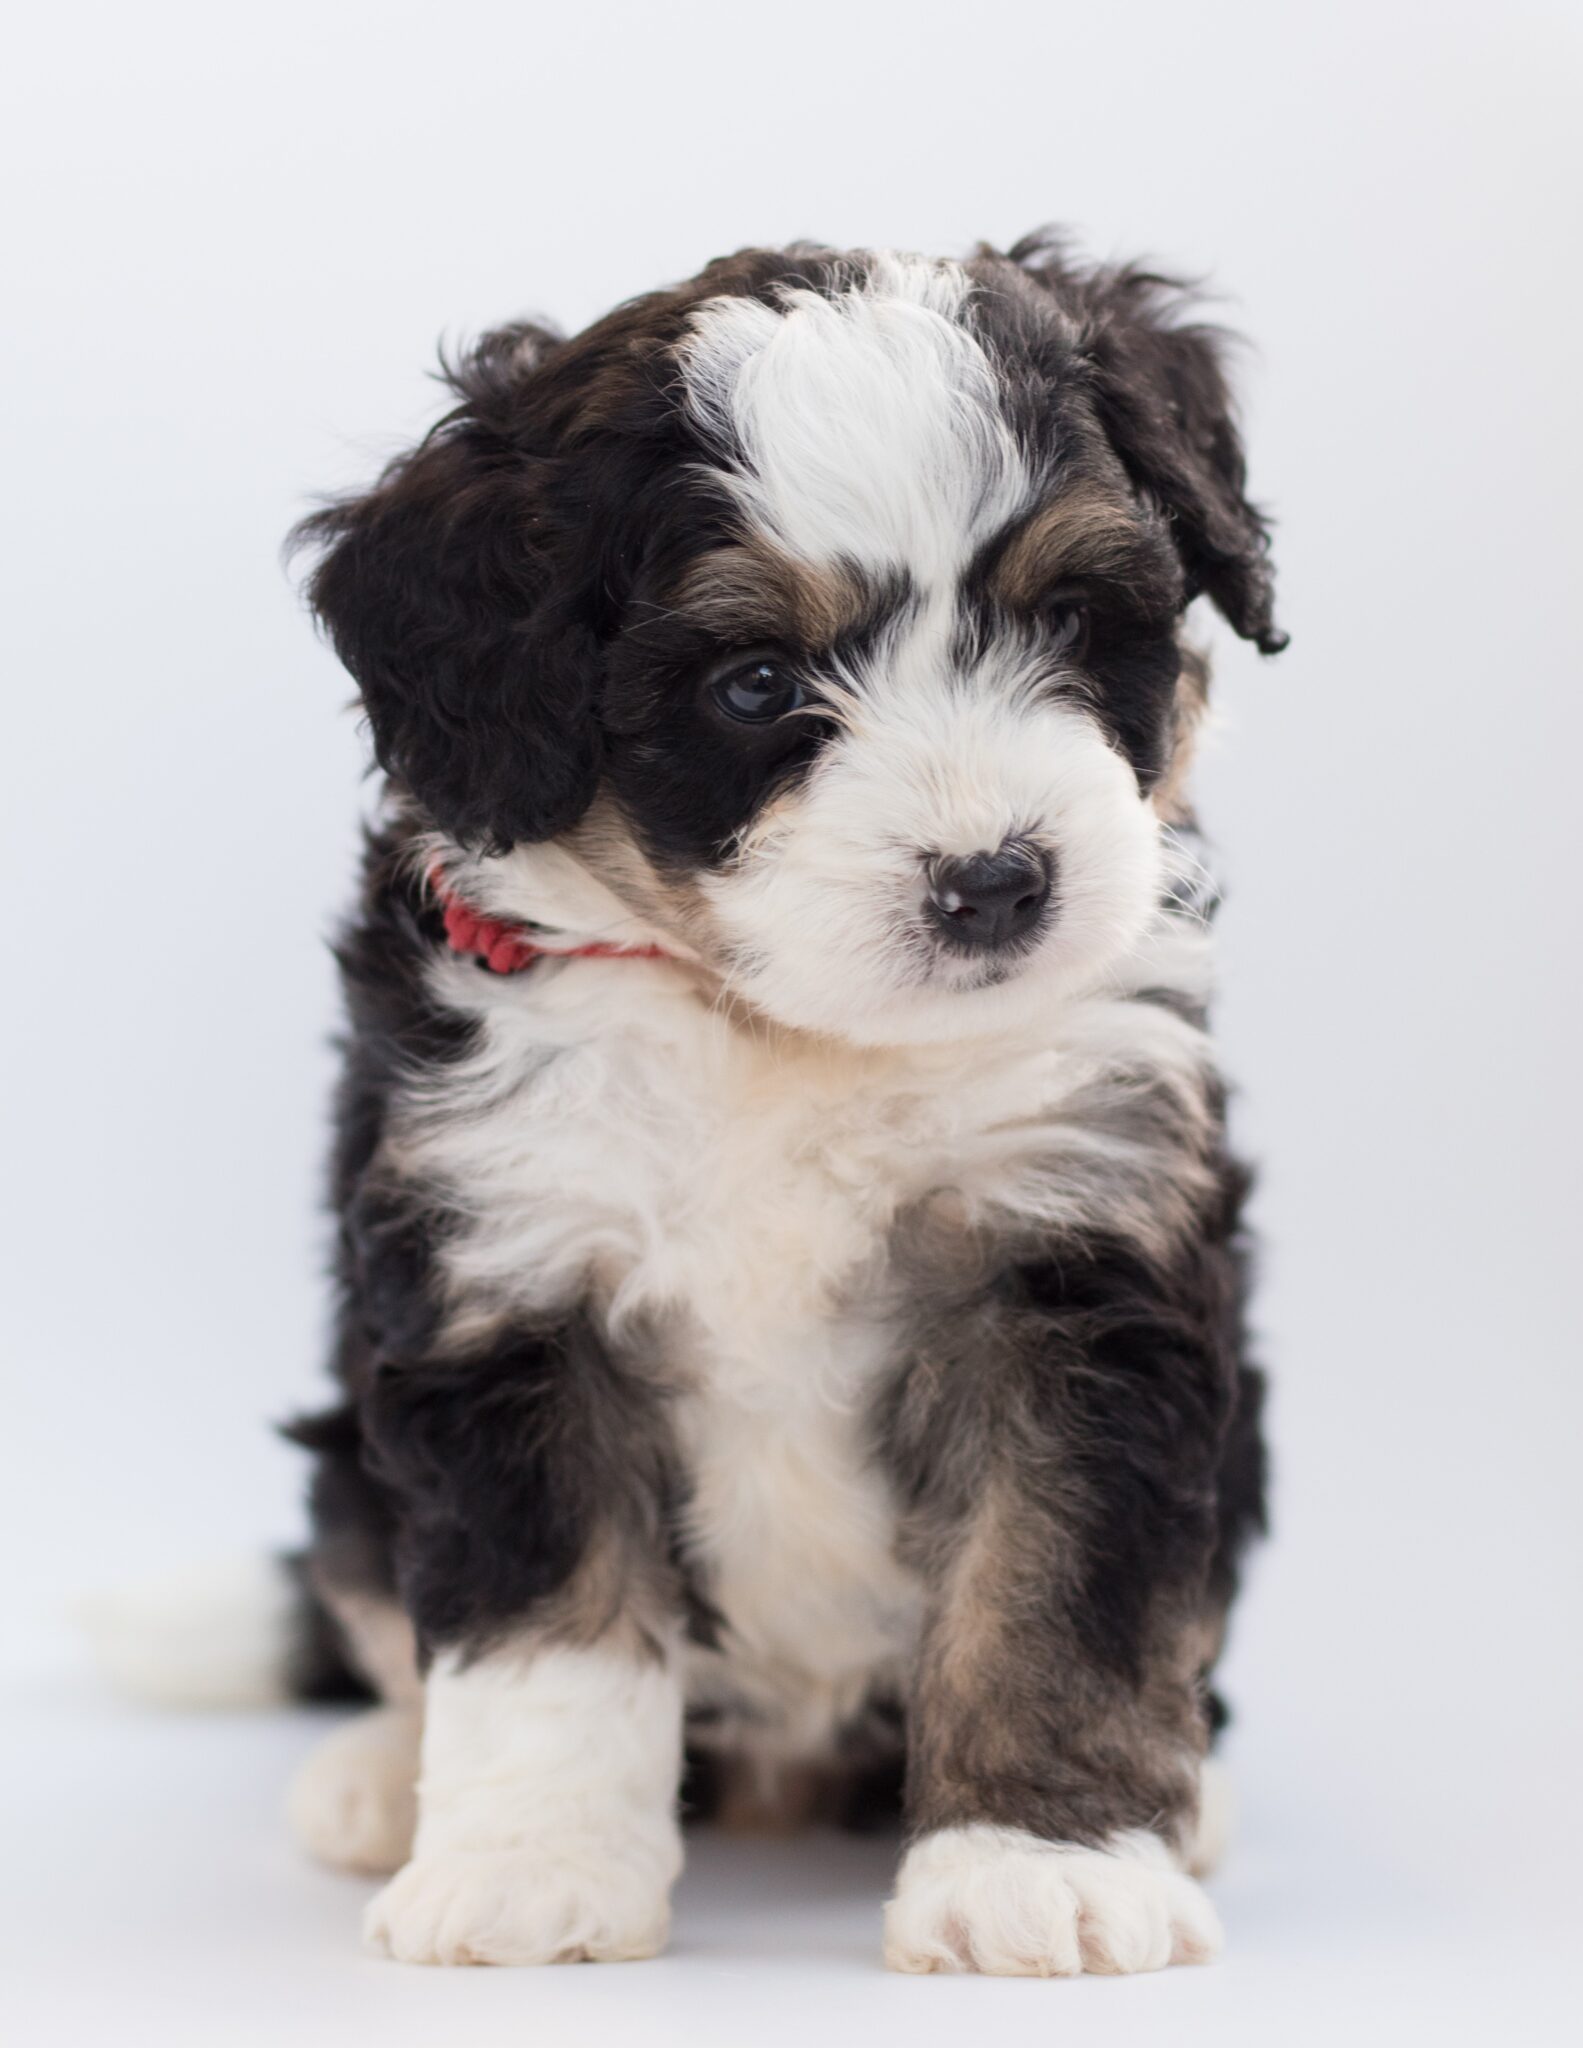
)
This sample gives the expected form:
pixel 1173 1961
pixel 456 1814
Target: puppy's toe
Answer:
pixel 518 1906
pixel 1002 1902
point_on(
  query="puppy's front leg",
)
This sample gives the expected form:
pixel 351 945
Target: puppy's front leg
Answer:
pixel 1041 1846
pixel 1062 1474
pixel 552 1741
pixel 547 1829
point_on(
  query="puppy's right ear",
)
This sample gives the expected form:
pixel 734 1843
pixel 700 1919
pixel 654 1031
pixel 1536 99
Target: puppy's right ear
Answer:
pixel 440 592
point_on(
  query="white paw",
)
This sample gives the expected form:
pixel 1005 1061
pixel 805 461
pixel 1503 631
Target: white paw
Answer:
pixel 353 1804
pixel 520 1906
pixel 1005 1903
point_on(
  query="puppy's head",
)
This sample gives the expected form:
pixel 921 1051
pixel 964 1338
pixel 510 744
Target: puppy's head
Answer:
pixel 828 608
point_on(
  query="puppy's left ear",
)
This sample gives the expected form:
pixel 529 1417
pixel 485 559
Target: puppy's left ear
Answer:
pixel 1160 387
pixel 441 590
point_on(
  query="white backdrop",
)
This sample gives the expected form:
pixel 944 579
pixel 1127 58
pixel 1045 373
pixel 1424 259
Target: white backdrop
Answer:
pixel 236 237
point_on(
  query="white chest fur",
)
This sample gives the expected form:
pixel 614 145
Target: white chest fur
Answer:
pixel 726 1200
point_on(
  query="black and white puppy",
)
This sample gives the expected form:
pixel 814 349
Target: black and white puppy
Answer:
pixel 789 1262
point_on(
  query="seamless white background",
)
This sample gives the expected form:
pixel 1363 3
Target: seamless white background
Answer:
pixel 235 237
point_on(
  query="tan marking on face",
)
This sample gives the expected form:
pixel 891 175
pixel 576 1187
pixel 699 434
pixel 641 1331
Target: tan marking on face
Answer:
pixel 1172 801
pixel 604 842
pixel 750 591
pixel 1085 533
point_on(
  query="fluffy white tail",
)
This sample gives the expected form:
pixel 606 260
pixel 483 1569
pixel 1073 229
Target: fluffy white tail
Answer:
pixel 219 1635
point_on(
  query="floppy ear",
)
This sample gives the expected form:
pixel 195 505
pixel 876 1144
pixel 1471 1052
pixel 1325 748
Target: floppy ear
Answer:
pixel 438 590
pixel 1160 388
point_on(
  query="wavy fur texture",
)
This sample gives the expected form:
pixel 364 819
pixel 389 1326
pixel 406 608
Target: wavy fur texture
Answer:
pixel 818 1350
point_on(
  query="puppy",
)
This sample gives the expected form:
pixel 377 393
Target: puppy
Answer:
pixel 789 1266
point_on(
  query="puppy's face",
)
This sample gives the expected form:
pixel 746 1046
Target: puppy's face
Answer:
pixel 828 609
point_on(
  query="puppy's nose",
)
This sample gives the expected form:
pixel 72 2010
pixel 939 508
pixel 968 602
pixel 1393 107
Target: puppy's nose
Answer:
pixel 988 899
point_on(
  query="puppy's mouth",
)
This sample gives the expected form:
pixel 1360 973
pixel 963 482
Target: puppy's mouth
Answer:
pixel 937 965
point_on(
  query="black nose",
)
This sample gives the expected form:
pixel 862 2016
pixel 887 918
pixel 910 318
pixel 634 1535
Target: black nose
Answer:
pixel 989 899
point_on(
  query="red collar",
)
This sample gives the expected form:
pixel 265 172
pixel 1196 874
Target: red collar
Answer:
pixel 506 948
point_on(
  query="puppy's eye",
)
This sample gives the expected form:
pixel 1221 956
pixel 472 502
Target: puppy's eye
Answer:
pixel 758 690
pixel 1066 626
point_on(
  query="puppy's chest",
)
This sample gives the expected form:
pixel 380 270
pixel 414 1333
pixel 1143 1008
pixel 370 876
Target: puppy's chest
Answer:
pixel 729 1209
pixel 678 1171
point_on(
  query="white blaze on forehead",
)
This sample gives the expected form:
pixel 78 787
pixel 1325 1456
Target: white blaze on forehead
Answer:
pixel 864 426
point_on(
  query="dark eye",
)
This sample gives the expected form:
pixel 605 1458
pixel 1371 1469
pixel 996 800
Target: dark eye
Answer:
pixel 757 690
pixel 1066 627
